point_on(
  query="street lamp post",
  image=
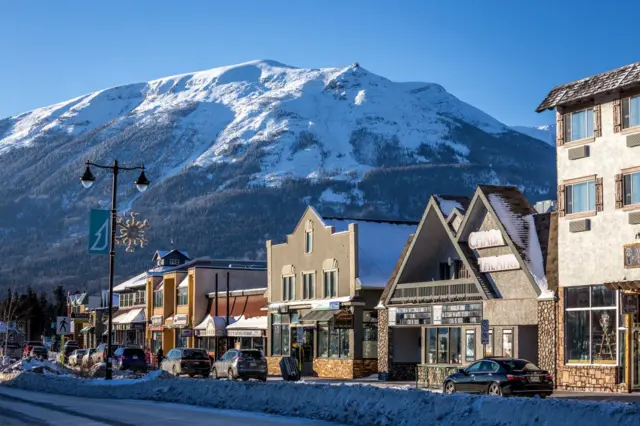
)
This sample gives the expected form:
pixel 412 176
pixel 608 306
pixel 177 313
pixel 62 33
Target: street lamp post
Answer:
pixel 142 183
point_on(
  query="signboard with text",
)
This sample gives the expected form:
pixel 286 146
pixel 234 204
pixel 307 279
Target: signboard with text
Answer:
pixel 484 332
pixel 484 239
pixel 506 262
pixel 464 313
pixel 632 256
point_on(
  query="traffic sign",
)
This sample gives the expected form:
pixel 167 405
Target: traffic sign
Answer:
pixel 99 231
pixel 300 336
pixel 484 332
pixel 63 325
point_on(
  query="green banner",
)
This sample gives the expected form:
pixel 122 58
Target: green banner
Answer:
pixel 99 231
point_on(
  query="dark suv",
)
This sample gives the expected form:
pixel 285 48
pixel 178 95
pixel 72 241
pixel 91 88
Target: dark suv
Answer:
pixel 130 359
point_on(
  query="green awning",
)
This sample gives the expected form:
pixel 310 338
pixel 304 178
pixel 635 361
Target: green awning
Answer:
pixel 318 316
pixel 87 329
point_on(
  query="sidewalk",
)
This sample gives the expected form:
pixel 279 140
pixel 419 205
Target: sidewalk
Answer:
pixel 598 396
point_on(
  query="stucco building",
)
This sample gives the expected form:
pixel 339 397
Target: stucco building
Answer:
pixel 598 161
pixel 469 261
pixel 324 283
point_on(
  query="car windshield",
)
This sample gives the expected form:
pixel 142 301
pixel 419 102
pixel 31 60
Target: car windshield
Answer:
pixel 251 355
pixel 194 354
pixel 520 365
pixel 39 349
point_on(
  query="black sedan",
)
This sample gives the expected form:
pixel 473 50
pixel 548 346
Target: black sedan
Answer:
pixel 500 376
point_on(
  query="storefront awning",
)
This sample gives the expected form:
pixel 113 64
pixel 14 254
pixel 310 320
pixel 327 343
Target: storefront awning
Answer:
pixel 623 285
pixel 134 316
pixel 212 326
pixel 248 327
pixel 184 283
pixel 87 329
pixel 318 316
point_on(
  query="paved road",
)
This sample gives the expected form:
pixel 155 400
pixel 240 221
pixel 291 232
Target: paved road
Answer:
pixel 20 408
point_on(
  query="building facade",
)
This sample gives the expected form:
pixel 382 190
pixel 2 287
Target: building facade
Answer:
pixel 598 161
pixel 469 262
pixel 324 283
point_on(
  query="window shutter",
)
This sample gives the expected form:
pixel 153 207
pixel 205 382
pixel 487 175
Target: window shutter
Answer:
pixel 559 129
pixel 619 193
pixel 599 198
pixel 617 116
pixel 597 122
pixel 561 200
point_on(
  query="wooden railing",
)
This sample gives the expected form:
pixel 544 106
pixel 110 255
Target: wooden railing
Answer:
pixel 435 291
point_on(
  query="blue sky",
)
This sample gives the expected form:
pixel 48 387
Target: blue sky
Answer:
pixel 501 56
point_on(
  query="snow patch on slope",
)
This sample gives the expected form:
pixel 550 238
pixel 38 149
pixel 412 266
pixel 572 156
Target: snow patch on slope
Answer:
pixel 545 133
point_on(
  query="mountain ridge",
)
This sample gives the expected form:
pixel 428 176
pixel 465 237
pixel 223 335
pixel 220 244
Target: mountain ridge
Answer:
pixel 258 140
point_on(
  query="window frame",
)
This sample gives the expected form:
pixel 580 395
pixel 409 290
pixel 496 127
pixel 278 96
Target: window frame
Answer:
pixel 327 294
pixel 590 309
pixel 161 297
pixel 568 190
pixel 342 335
pixel 308 291
pixel 624 187
pixel 568 129
pixel 469 333
pixel 508 332
pixel 308 242
pixel 283 327
pixel 288 289
pixel 490 344
pixel 437 351
pixel 182 295
pixel 627 100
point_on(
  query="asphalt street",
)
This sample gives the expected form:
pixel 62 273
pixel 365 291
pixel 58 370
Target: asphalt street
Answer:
pixel 19 408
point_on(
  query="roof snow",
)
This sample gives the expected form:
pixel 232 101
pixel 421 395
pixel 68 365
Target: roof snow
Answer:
pixel 379 246
pixel 449 202
pixel 137 281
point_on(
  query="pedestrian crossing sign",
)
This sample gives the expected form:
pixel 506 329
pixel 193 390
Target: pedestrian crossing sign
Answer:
pixel 63 325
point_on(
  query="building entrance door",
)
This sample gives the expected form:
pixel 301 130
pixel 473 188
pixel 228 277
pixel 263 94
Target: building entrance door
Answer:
pixel 635 356
pixel 307 351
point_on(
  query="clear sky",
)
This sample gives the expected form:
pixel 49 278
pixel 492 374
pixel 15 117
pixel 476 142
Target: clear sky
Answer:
pixel 501 56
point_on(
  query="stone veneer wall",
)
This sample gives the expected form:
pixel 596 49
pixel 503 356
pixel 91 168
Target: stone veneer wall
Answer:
pixel 273 365
pixel 383 341
pixel 590 378
pixel 547 336
pixel 344 368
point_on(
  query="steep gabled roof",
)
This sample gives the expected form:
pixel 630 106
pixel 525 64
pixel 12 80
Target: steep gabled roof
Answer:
pixel 515 217
pixel 615 80
pixel 448 203
pixel 161 254
pixel 434 206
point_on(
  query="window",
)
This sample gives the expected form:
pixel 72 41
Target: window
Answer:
pixel 333 342
pixel 488 348
pixel 174 262
pixel 444 345
pixel 141 298
pixel 330 283
pixel 280 338
pixel 591 325
pixel 183 296
pixel 308 241
pixel 370 334
pixel 308 285
pixel 581 197
pixel 507 343
pixel 578 125
pixel 632 188
pixel 288 290
pixel 445 271
pixel 470 341
pixel 157 299
pixel 630 112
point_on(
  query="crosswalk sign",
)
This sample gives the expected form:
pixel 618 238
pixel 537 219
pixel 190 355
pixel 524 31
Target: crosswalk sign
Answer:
pixel 63 325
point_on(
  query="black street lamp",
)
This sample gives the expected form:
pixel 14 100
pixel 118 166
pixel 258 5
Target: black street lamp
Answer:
pixel 142 183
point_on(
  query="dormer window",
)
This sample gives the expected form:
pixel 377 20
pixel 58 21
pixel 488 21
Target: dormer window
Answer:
pixel 174 262
pixel 630 112
pixel 578 125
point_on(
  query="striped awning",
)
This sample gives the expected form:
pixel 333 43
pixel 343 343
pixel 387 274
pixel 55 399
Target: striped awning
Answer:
pixel 318 316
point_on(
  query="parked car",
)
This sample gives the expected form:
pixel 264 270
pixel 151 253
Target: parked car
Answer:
pixel 39 352
pixel 187 361
pixel 501 377
pixel 71 344
pixel 87 359
pixel 28 346
pixel 243 363
pixel 101 352
pixel 126 358
pixel 75 358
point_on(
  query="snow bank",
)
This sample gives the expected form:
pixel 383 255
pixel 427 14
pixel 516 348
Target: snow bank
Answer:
pixel 354 405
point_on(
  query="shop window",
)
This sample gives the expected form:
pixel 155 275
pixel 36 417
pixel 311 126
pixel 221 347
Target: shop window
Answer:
pixel 370 334
pixel 591 325
pixel 488 348
pixel 183 296
pixel 507 343
pixel 308 285
pixel 288 288
pixel 280 337
pixel 330 283
pixel 333 342
pixel 444 345
pixel 470 349
pixel 157 299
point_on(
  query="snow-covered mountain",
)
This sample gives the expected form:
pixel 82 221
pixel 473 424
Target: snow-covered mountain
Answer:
pixel 545 133
pixel 234 154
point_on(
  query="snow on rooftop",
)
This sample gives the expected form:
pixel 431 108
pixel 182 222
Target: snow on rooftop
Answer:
pixel 380 244
pixel 522 231
pixel 447 205
pixel 137 281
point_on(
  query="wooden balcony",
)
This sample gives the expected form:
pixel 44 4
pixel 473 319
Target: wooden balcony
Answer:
pixel 461 289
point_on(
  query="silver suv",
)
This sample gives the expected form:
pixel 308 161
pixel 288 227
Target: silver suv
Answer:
pixel 241 363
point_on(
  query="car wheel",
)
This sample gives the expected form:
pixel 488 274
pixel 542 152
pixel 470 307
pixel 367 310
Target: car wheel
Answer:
pixel 494 389
pixel 205 375
pixel 230 374
pixel 449 388
pixel 214 373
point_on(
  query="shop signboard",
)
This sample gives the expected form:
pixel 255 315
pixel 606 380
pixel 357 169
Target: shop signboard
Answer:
pixel 80 316
pixel 484 239
pixel 187 332
pixel 506 262
pixel 300 335
pixel 484 332
pixel 465 313
pixel 180 319
pixel 334 306
pixel 156 320
pixel 246 333
pixel 629 304
pixel 632 256
pixel 343 319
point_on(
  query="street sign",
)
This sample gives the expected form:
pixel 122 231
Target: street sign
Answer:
pixel 99 231
pixel 334 306
pixel 484 332
pixel 63 325
pixel 300 336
